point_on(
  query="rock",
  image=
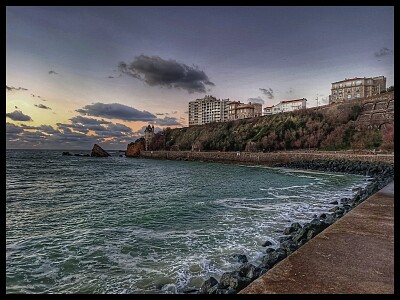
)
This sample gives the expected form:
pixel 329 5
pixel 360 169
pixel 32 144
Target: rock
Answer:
pixel 225 291
pixel 250 271
pixel 209 286
pixel 266 243
pixel 334 202
pixel 289 246
pixel 294 227
pixel 233 280
pixel 284 238
pixel 66 153
pixel 97 151
pixel 269 250
pixel 272 258
pixel 241 258
pixel 190 291
pixel 134 149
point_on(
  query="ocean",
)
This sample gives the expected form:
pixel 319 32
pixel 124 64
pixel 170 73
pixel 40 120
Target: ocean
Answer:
pixel 129 225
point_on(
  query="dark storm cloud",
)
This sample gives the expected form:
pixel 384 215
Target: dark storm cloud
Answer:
pixel 88 121
pixel 11 88
pixel 17 115
pixel 51 72
pixel 42 106
pixel 268 92
pixel 256 100
pixel 43 128
pixel 154 71
pixel 13 129
pixel 116 111
pixel 384 52
pixel 167 121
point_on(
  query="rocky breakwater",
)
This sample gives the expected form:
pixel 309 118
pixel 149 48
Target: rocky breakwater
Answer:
pixel 97 151
pixel 296 235
pixel 134 149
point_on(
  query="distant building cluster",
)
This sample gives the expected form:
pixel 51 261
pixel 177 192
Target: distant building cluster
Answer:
pixel 239 110
pixel 357 87
pixel 285 106
pixel 210 109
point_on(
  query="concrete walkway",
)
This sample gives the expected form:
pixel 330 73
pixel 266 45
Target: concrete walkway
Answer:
pixel 355 255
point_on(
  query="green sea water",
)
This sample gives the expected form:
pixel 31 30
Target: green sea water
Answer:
pixel 125 225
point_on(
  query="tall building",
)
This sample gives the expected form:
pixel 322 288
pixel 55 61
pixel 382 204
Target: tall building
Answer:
pixel 148 136
pixel 286 105
pixel 239 110
pixel 357 87
pixel 208 109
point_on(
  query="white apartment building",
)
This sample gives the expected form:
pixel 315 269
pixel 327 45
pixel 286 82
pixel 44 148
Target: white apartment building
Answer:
pixel 207 110
pixel 286 105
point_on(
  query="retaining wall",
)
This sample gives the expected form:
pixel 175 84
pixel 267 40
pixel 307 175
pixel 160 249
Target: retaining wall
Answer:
pixel 270 158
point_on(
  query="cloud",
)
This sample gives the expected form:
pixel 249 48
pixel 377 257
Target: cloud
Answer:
pixel 42 106
pixel 17 115
pixel 51 72
pixel 116 111
pixel 156 71
pixel 114 76
pixel 12 128
pixel 256 100
pixel 384 52
pixel 159 114
pixel 88 121
pixel 167 121
pixel 112 136
pixel 174 112
pixel 11 88
pixel 268 92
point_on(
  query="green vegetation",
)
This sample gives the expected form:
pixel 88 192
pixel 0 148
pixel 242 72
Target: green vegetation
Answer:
pixel 329 130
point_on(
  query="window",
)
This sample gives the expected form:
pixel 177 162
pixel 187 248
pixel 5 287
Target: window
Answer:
pixel 358 82
pixel 340 85
pixel 349 96
pixel 348 83
pixel 358 95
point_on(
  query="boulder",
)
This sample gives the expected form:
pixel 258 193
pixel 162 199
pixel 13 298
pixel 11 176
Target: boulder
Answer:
pixel 233 280
pixel 241 258
pixel 97 151
pixel 209 286
pixel 266 243
pixel 66 153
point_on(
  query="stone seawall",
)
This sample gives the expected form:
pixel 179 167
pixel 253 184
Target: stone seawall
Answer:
pixel 269 159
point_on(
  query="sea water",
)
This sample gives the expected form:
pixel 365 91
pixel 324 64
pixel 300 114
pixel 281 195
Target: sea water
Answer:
pixel 128 225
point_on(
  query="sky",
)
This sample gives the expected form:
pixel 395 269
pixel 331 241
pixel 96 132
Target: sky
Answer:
pixel 80 75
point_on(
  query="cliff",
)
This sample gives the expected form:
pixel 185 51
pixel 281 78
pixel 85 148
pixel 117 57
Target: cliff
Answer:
pixel 357 124
pixel 134 149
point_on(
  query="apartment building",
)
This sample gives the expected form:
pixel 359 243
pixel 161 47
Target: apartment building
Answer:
pixel 285 106
pixel 239 110
pixel 353 88
pixel 208 109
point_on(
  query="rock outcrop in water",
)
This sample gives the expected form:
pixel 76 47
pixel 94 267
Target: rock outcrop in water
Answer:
pixel 133 149
pixel 97 151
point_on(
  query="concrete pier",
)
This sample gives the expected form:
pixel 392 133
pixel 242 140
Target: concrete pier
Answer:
pixel 355 255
